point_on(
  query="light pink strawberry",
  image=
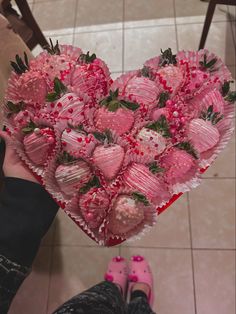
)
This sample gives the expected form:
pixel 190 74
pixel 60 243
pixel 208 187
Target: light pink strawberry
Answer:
pixel 139 177
pixel 171 78
pixel 38 145
pixel 72 176
pixel 109 159
pixel 94 205
pixel 142 91
pixel 202 134
pixel 74 142
pixel 151 142
pixel 125 215
pixel 120 121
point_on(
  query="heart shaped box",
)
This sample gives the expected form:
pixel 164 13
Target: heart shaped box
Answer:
pixel 114 155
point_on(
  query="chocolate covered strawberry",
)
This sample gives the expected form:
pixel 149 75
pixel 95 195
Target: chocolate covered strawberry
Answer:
pixel 109 158
pixel 115 114
pixel 38 143
pixel 153 137
pixel 139 177
pixel 169 75
pixel 93 206
pixel 126 214
pixel 72 175
pixel 90 76
pixel 202 134
pixel 76 141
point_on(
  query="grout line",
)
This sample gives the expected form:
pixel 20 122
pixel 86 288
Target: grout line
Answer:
pixel 51 265
pixel 232 32
pixel 219 178
pixel 192 257
pixel 75 19
pixel 176 30
pixel 142 247
pixel 123 36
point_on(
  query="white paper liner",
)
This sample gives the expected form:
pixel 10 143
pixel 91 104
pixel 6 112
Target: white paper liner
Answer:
pixel 72 212
pixel 194 57
pixel 71 51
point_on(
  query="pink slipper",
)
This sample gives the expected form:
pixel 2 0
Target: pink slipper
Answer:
pixel 117 272
pixel 140 272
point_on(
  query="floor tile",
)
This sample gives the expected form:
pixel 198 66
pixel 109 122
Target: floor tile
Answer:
pixel 171 229
pixel 144 43
pixel 219 40
pixel 99 12
pixel 106 44
pixel 141 12
pixel 215 281
pixel 192 11
pixel 212 207
pixel 48 238
pixel 172 278
pixel 33 294
pixel 232 12
pixel 224 165
pixel 115 75
pixel 68 233
pixel 55 17
pixel 76 269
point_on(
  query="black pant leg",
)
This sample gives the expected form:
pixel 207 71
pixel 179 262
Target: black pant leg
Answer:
pixel 104 298
pixel 139 304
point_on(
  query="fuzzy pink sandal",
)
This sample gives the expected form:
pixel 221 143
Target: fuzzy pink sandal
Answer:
pixel 140 272
pixel 117 272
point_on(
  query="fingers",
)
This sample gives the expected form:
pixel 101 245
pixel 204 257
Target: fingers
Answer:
pixel 5 136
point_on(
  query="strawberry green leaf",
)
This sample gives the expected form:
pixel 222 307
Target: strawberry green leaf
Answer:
pixel 161 126
pixel 53 50
pixel 140 198
pixel 231 97
pixel 167 57
pixel 155 168
pixel 163 99
pixel 52 97
pixel 94 182
pixel 86 58
pixel 19 66
pixel 188 147
pixel 129 105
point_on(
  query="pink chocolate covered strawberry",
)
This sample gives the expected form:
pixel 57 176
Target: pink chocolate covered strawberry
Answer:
pixel 91 77
pixel 139 177
pixel 76 141
pixel 202 134
pixel 143 91
pixel 179 162
pixel 38 143
pixel 72 174
pixel 94 205
pixel 109 158
pixel 126 214
pixel 115 114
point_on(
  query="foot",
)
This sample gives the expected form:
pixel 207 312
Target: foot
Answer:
pixel 140 277
pixel 142 287
pixel 117 273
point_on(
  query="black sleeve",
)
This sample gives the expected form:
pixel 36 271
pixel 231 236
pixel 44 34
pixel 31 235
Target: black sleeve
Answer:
pixel 26 213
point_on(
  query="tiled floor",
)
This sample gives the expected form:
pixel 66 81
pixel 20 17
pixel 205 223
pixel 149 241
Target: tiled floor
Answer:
pixel 192 247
